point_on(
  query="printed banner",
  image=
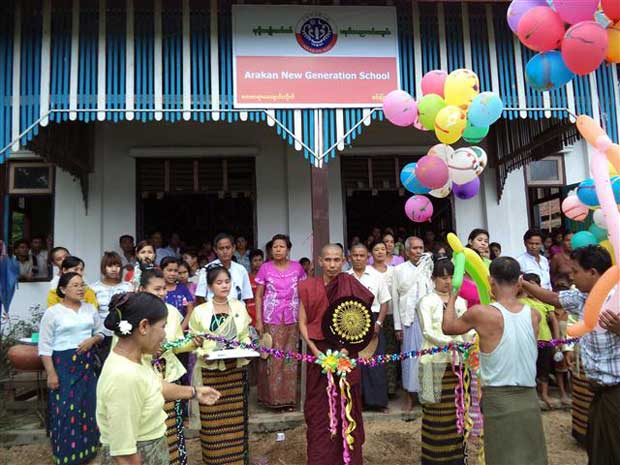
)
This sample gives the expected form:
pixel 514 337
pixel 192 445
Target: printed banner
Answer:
pixel 296 56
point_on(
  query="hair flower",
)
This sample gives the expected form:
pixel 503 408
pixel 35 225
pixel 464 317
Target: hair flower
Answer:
pixel 125 327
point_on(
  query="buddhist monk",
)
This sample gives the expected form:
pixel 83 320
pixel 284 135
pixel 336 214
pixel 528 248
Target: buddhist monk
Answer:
pixel 316 295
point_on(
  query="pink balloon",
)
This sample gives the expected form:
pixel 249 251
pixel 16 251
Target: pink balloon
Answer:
pixel 400 108
pixel 541 29
pixel 584 47
pixel 419 209
pixel 574 209
pixel 432 172
pixel 600 173
pixel 433 82
pixel 518 8
pixel 575 11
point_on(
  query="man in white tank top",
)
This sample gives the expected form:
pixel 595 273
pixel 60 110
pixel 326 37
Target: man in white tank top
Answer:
pixel 507 330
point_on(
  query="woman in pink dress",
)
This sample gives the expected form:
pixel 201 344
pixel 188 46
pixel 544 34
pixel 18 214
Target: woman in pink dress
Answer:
pixel 277 310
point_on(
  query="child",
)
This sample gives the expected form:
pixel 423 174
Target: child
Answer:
pixel 544 362
pixel 177 293
pixel 562 283
pixel 256 261
pixel 185 277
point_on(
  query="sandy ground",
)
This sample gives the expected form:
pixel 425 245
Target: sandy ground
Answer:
pixel 387 442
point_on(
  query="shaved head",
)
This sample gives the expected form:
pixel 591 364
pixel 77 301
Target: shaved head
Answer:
pixel 330 249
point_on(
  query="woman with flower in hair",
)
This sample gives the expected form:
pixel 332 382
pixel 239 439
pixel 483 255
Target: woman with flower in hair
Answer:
pixel 130 394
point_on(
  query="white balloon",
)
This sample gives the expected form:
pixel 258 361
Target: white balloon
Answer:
pixel 442 151
pixel 482 160
pixel 462 165
pixel 443 191
pixel 599 219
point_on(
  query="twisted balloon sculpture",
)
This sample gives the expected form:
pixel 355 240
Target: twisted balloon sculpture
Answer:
pixel 606 292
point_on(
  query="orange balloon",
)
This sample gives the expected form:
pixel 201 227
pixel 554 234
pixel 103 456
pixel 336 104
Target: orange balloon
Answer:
pixel 598 294
pixel 578 329
pixel 590 131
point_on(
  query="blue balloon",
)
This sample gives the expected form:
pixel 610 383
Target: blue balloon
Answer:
pixel 583 239
pixel 547 71
pixel 485 109
pixel 409 180
pixel 586 191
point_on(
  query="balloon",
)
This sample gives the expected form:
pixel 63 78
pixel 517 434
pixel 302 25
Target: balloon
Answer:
pixel 541 29
pixel 419 209
pixel 459 271
pixel 578 329
pixel 588 195
pixel 596 299
pixel 400 108
pixel 605 193
pixel 409 180
pixel 442 151
pixel 485 109
pixel 432 172
pixel 584 47
pixel 612 304
pixel 461 87
pixel 599 219
pixel 462 164
pixel 613 40
pixel 433 82
pixel 476 269
pixel 518 8
pixel 574 209
pixel 611 8
pixel 450 124
pixel 467 191
pixel 610 249
pixel 443 191
pixel 575 11
pixel 428 107
pixel 474 134
pixel 583 239
pixel 547 71
pixel 481 161
pixel 590 130
pixel 599 233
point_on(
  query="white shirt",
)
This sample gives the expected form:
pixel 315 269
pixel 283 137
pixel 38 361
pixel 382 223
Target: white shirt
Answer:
pixel 63 328
pixel 241 289
pixel 375 283
pixel 388 276
pixel 40 260
pixel 166 252
pixel 104 294
pixel 529 265
pixel 409 284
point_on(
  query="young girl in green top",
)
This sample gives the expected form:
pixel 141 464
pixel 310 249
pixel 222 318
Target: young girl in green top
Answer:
pixel 130 395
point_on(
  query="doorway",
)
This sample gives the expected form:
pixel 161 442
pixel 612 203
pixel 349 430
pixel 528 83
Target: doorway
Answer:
pixel 197 198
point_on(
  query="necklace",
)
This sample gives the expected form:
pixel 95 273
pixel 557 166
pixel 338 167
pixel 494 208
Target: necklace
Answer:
pixel 215 301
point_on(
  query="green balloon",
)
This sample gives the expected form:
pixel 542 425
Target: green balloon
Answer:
pixel 474 134
pixel 599 233
pixel 428 107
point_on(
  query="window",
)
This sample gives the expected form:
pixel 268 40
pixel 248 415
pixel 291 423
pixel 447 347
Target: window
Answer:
pixel 546 172
pixel 31 212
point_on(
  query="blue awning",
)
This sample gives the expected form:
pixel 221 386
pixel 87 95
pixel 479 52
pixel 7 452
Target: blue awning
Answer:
pixel 151 60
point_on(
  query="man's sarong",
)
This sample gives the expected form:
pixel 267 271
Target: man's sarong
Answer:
pixel 513 430
pixel 603 437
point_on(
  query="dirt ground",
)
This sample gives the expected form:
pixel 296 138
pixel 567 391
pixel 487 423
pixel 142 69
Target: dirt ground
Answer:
pixel 387 442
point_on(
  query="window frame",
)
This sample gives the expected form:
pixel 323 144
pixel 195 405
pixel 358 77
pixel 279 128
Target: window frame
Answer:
pixel 13 165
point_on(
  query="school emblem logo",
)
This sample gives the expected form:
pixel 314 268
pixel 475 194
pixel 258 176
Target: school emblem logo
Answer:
pixel 316 33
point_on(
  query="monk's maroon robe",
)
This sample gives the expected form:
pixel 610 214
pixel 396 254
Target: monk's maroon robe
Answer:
pixel 322 449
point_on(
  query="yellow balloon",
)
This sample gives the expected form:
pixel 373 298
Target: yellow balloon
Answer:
pixel 612 170
pixel 613 50
pixel 461 87
pixel 450 124
pixel 455 243
pixel 606 244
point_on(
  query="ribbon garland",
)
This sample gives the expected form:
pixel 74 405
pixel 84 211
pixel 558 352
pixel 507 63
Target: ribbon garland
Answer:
pixel 463 347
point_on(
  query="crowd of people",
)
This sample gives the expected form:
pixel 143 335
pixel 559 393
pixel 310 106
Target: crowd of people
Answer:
pixel 111 384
